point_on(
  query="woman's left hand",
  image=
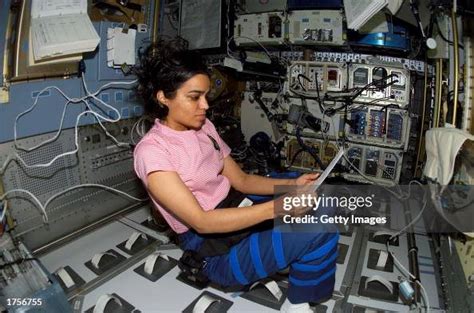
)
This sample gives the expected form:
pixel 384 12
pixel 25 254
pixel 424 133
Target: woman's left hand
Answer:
pixel 306 179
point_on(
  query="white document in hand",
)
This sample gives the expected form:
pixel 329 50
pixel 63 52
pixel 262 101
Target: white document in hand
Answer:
pixel 328 169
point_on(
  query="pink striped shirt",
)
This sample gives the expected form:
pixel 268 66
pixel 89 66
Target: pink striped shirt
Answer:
pixel 191 154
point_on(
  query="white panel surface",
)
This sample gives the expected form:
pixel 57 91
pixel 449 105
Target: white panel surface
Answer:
pixel 81 250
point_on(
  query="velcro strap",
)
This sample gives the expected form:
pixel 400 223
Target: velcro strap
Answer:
pixel 384 233
pixel 65 277
pixel 96 259
pixel 151 260
pixel 102 302
pixel 381 280
pixel 133 238
pixel 272 286
pixel 382 261
pixel 204 303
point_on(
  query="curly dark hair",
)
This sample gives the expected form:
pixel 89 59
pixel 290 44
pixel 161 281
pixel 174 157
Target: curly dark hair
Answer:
pixel 165 65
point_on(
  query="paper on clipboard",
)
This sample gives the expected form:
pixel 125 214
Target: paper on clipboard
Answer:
pixel 328 170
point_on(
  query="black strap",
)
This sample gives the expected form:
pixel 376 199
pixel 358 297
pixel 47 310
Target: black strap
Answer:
pixel 220 243
pixel 192 263
pixel 214 143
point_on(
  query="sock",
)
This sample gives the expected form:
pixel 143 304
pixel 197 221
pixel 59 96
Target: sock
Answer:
pixel 289 307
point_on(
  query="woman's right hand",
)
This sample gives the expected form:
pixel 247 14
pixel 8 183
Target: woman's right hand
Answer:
pixel 297 202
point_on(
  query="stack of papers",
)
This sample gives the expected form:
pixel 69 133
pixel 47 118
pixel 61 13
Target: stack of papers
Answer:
pixel 64 59
pixel 359 12
pixel 61 28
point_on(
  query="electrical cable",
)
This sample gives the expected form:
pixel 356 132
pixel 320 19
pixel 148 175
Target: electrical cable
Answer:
pixel 406 272
pixel 98 117
pixel 139 127
pixel 308 149
pixel 132 131
pixel 249 38
pixel 229 51
pixel 404 229
pixel 320 102
pixel 382 99
pixel 415 220
pixel 52 139
pixel 73 100
pixel 416 14
pixel 440 33
pixel 76 143
pixel 293 159
pixel 35 199
pixel 427 300
pixel 94 96
pixel 399 196
pixel 43 207
pixel 396 261
pixel 379 84
pixel 258 98
pixel 298 78
pixel 96 186
pixel 304 94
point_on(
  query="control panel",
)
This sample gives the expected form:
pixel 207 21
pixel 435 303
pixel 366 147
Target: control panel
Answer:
pixel 380 85
pixel 315 27
pixel 306 27
pixel 368 164
pixel 331 126
pixel 375 124
pixel 358 58
pixel 354 156
pixel 297 158
pixel 265 28
pixel 97 160
pixel 100 156
pixel 316 77
pixel 378 125
pixel 378 165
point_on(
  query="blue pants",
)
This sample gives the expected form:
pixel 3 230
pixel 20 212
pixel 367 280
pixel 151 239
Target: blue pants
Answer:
pixel 310 255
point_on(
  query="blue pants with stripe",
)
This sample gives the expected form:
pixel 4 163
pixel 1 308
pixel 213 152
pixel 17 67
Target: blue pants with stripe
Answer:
pixel 311 256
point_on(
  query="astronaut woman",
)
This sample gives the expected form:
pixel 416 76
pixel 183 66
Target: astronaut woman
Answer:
pixel 188 172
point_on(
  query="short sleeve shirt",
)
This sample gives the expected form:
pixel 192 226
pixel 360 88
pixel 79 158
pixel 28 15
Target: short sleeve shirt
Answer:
pixel 197 156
